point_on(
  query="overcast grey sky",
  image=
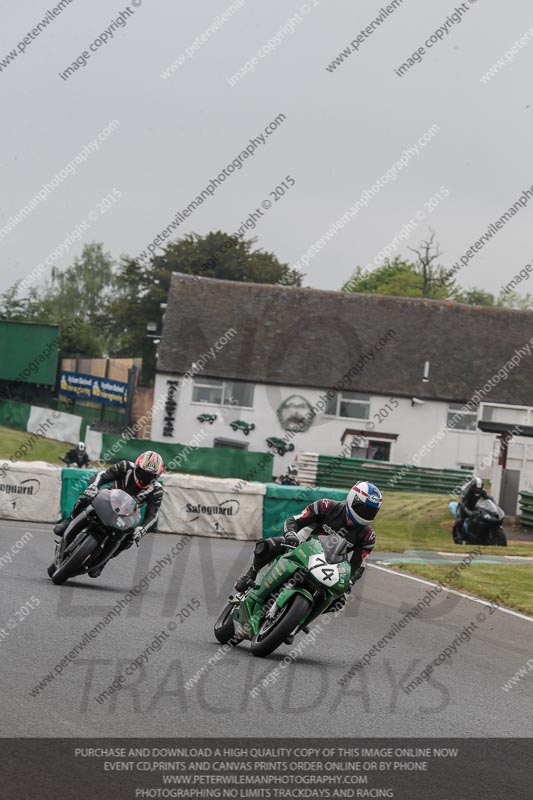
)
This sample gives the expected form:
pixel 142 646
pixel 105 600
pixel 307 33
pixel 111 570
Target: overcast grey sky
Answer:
pixel 343 130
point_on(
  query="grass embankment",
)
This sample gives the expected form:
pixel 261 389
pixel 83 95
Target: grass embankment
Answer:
pixel 509 585
pixel 38 448
pixel 416 521
pixel 411 521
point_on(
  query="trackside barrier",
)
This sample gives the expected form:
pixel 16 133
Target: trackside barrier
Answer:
pixel 34 491
pixel 30 491
pixel 284 501
pixel 342 473
pixel 44 421
pixel 526 508
pixel 216 507
pixel 216 462
pixel 73 481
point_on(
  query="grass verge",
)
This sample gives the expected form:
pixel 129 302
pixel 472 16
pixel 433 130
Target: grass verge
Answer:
pixel 490 581
pixel 39 448
pixel 417 521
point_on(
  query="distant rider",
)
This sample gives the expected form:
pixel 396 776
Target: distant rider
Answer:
pixel 350 519
pixel 140 480
pixel 472 492
pixel 78 456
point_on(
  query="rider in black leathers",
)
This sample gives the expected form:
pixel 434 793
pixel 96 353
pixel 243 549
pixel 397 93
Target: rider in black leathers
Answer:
pixel 78 456
pixel 472 492
pixel 138 481
pixel 327 516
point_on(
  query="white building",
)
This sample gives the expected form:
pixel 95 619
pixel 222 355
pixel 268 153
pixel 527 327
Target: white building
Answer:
pixel 403 369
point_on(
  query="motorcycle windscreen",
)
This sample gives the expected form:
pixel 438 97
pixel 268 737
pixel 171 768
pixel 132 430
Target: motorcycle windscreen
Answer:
pixel 335 547
pixel 488 506
pixel 116 509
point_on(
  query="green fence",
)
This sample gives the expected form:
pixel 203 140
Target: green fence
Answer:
pixel 215 462
pixel 14 415
pixel 525 500
pixel 281 502
pixel 342 473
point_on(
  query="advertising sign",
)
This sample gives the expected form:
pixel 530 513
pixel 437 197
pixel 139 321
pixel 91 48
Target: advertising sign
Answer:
pixel 94 388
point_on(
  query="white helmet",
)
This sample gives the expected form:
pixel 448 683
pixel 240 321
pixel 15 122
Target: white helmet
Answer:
pixel 80 446
pixel 363 502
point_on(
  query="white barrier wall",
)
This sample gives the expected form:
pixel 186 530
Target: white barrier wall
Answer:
pixel 56 424
pixel 30 491
pixel 211 507
pixel 93 442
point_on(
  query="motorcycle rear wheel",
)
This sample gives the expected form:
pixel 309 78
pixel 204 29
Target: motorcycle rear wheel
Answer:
pixel 73 564
pixel 273 632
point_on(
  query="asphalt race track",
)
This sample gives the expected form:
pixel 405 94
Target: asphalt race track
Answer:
pixel 463 697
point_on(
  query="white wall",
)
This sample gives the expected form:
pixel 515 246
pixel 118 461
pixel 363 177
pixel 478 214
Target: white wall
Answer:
pixel 415 425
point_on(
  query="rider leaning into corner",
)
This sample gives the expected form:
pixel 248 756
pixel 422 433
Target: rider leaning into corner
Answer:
pixel 350 519
pixel 140 480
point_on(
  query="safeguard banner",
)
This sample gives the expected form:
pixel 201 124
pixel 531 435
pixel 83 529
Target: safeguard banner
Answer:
pixel 223 508
pixel 30 491
pixel 404 769
pixel 94 388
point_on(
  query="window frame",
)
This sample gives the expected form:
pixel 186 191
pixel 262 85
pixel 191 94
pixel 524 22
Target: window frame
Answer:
pixel 223 384
pixel 356 398
pixel 451 411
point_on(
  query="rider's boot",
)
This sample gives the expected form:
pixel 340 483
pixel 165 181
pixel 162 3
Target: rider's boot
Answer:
pixel 61 527
pixel 95 573
pixel 247 581
pixel 457 533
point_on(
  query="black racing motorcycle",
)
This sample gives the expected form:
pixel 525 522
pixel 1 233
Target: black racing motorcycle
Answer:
pixel 95 535
pixel 484 527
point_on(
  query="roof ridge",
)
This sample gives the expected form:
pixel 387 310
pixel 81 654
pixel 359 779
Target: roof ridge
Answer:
pixel 398 299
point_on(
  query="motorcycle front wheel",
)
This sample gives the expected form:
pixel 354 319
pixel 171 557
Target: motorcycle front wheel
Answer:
pixel 274 630
pixel 501 538
pixel 224 627
pixel 73 564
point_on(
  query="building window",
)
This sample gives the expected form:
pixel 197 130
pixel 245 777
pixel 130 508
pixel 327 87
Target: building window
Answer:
pixel 461 421
pixel 375 449
pixel 348 404
pixel 510 415
pixel 218 392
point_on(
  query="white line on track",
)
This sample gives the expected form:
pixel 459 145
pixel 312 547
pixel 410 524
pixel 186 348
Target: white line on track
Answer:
pixel 452 591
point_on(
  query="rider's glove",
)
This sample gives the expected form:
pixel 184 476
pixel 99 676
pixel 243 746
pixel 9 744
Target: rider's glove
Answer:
pixel 137 535
pixel 291 539
pixel 91 492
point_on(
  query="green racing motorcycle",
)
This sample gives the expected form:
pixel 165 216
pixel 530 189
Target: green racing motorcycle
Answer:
pixel 290 592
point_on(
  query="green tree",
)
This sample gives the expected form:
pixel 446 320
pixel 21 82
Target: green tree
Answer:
pixel 218 255
pixel 396 277
pixel 522 302
pixel 474 297
pixel 141 289
pixel 13 307
pixel 81 293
